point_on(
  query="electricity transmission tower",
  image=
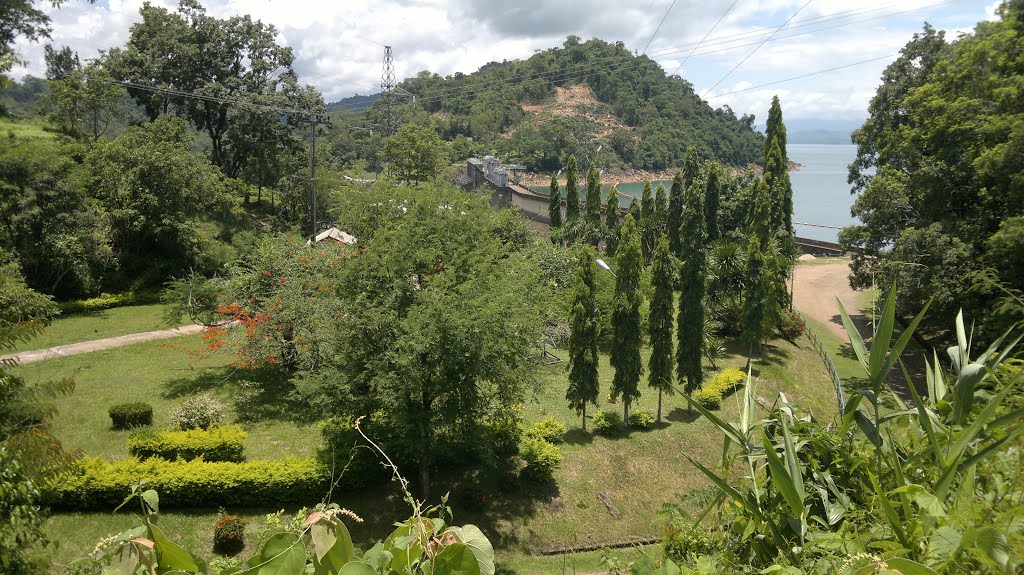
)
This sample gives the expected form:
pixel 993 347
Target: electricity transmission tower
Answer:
pixel 389 121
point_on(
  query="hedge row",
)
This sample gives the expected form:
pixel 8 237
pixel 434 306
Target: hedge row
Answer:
pixel 215 444
pixel 711 394
pixel 100 485
pixel 107 301
pixel 129 415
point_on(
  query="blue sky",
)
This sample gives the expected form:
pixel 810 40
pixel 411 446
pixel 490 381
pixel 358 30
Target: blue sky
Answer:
pixel 338 44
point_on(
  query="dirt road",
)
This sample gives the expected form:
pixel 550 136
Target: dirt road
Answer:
pixel 100 344
pixel 816 287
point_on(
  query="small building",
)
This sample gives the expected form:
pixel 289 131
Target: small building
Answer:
pixel 336 235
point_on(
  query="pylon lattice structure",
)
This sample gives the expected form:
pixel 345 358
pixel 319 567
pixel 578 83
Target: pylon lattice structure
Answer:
pixel 389 121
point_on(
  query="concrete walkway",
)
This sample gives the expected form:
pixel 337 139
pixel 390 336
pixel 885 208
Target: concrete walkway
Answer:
pixel 100 344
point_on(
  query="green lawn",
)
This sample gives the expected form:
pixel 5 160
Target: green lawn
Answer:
pixel 638 472
pixel 87 326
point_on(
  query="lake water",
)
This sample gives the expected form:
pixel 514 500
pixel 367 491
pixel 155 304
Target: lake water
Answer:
pixel 821 195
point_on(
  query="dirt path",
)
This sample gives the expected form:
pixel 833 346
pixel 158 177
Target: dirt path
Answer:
pixel 816 287
pixel 100 344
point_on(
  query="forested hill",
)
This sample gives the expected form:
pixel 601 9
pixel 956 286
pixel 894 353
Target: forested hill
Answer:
pixel 581 97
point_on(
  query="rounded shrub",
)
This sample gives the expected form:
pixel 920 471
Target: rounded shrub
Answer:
pixel 542 459
pixel 504 435
pixel 229 535
pixel 791 325
pixel 607 423
pixel 708 398
pixel 549 429
pixel 201 411
pixel 641 420
pixel 129 415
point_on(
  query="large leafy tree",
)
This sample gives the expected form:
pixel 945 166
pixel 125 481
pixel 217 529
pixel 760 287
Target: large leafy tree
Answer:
pixel 554 203
pixel 626 333
pixel 244 77
pixel 572 193
pixel 584 386
pixel 692 276
pixel 938 172
pixel 415 154
pixel 659 367
pixel 84 102
pixel 434 332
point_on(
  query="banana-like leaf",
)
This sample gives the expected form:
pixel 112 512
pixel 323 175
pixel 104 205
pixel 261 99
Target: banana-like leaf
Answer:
pixel 792 462
pixel 727 488
pixel 856 341
pixel 728 429
pixel 924 417
pixel 882 335
pixel 936 382
pixel 890 513
pixel 782 480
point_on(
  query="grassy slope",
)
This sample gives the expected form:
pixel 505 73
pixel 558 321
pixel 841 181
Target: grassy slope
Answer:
pixel 98 325
pixel 638 472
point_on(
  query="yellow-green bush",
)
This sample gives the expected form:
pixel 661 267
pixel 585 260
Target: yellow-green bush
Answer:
pixel 107 301
pixel 214 444
pixel 710 395
pixel 549 429
pixel 541 457
pixel 97 484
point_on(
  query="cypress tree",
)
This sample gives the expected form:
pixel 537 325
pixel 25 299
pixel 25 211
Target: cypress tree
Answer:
pixel 675 213
pixel 659 367
pixel 572 194
pixel 555 204
pixel 646 226
pixel 759 294
pixel 691 301
pixel 593 201
pixel 611 221
pixel 584 386
pixel 775 129
pixel 775 134
pixel 634 209
pixel 712 200
pixel 661 211
pixel 626 334
pixel 691 168
pixel 776 177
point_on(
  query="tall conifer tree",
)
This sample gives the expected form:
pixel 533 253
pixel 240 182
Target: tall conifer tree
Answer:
pixel 760 294
pixel 659 367
pixel 555 203
pixel 572 193
pixel 584 322
pixel 661 211
pixel 692 276
pixel 593 201
pixel 646 224
pixel 712 200
pixel 611 221
pixel 626 333
pixel 634 209
pixel 775 134
pixel 675 212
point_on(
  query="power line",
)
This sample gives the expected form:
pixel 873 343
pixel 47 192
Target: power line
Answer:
pixel 729 73
pixel 697 45
pixel 596 66
pixel 805 75
pixel 656 30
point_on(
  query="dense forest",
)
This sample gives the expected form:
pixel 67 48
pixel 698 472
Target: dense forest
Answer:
pixel 635 114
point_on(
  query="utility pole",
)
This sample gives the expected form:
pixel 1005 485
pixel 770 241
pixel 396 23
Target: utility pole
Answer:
pixel 315 120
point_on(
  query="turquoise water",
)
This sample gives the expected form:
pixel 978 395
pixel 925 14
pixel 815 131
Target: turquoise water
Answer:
pixel 820 193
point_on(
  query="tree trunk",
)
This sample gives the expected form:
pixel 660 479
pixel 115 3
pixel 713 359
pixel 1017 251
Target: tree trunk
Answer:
pixel 584 421
pixel 659 405
pixel 625 414
pixel 259 193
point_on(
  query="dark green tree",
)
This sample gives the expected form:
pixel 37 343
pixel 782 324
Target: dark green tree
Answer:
pixel 712 200
pixel 60 63
pixel 572 194
pixel 659 367
pixel 776 177
pixel 675 212
pixel 775 129
pixel 584 386
pixel 627 336
pixel 634 209
pixel 593 201
pixel 760 292
pixel 415 154
pixel 555 203
pixel 611 221
pixel 692 276
pixel 646 225
pixel 661 211
pixel 691 168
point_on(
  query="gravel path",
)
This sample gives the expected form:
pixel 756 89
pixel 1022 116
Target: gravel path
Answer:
pixel 100 344
pixel 817 285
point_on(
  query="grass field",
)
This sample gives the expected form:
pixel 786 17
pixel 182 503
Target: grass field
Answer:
pixel 87 326
pixel 23 128
pixel 638 471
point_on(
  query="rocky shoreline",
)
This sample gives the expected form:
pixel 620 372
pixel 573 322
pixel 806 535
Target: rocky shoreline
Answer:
pixel 629 175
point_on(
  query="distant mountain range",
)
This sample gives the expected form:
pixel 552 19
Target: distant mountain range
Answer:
pixel 355 103
pixel 820 131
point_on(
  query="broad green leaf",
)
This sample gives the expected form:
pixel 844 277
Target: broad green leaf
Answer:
pixel 378 557
pixel 993 542
pixel 472 537
pixel 890 514
pixel 322 537
pixel 332 547
pixel 282 554
pixel 792 463
pixel 726 428
pixel 357 568
pixel 908 567
pixel 727 488
pixel 152 500
pixel 456 559
pixel 856 341
pixel 169 555
pixel 781 479
pixel 901 344
pixel 945 541
pixel 883 335
pixel 404 545
pixel 929 504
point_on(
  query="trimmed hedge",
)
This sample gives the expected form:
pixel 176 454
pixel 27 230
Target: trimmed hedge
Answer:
pixel 711 394
pixel 549 429
pixel 129 415
pixel 100 485
pixel 215 444
pixel 107 301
